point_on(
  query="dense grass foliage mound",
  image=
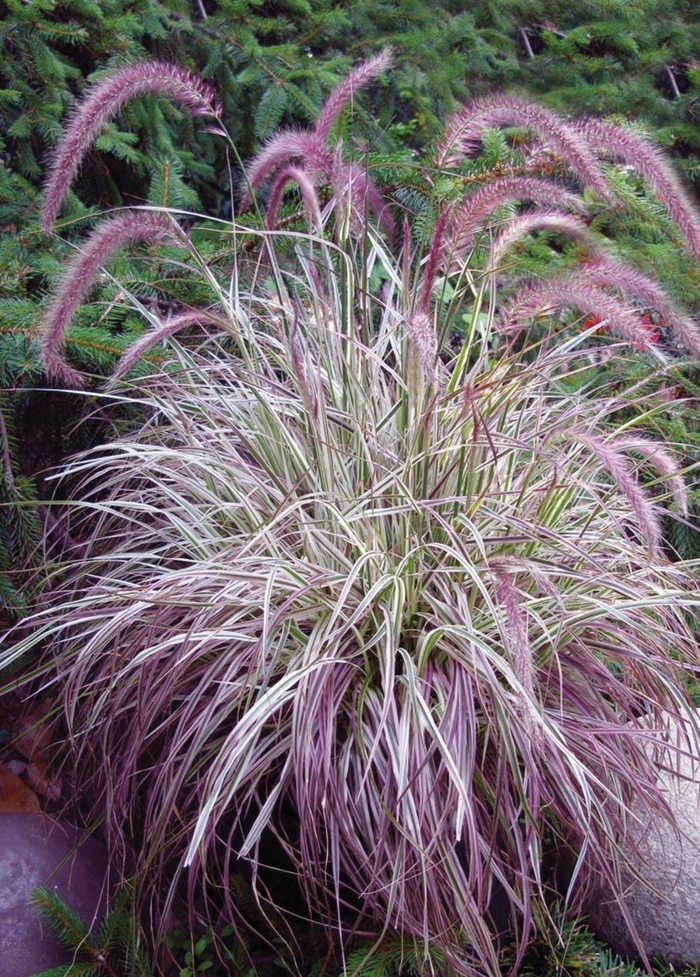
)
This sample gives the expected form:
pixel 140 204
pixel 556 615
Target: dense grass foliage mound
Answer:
pixel 400 611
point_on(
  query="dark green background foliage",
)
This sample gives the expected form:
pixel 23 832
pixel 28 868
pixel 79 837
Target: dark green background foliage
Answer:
pixel 273 63
pixel 635 58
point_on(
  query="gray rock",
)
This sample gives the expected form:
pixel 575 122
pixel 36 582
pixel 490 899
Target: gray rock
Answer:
pixel 666 916
pixel 39 851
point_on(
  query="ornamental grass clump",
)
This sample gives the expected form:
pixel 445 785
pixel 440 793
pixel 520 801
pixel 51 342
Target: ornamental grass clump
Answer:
pixel 401 610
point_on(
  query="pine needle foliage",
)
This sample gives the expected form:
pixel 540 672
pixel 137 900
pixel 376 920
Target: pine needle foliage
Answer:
pixel 633 59
pixel 115 950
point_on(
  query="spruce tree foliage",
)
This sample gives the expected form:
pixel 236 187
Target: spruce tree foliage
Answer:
pixel 275 62
pixel 114 950
pixel 227 953
pixel 635 59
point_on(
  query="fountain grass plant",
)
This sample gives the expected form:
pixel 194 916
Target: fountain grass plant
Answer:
pixel 398 613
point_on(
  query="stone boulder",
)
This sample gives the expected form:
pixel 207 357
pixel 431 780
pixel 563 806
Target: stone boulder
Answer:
pixel 667 915
pixel 37 851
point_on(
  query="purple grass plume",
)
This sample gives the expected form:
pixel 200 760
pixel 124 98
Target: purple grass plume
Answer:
pixel 160 332
pixel 470 216
pixel 292 151
pixel 307 190
pixel 612 457
pixel 432 266
pixel 354 190
pixel 131 227
pixel 422 337
pixel 298 359
pixel 543 219
pixel 342 93
pixel 286 146
pixel 579 292
pixel 464 132
pixel 102 102
pixel 635 150
pixel 661 459
pixel 518 644
pixel 607 271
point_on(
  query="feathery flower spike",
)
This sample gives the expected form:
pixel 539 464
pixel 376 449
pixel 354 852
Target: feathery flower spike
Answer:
pixel 572 291
pixel 607 271
pixel 611 456
pixel 639 152
pixel 423 340
pixel 102 102
pixel 163 330
pixel 434 258
pixel 662 460
pixel 352 185
pixel 538 220
pixel 471 215
pixel 309 197
pixel 128 228
pixel 342 93
pixel 309 152
pixel 520 649
pixel 463 135
pixel 288 145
